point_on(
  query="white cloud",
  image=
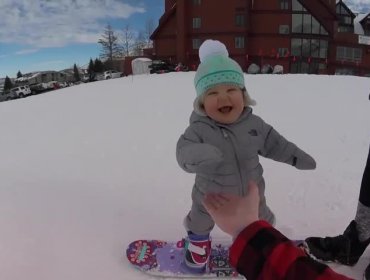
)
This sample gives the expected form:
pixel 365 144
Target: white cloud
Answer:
pixel 362 6
pixel 26 51
pixel 45 23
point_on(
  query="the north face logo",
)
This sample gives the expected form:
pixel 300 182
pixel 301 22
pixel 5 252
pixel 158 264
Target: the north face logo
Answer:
pixel 253 132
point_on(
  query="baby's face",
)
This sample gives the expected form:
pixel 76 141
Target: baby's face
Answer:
pixel 224 103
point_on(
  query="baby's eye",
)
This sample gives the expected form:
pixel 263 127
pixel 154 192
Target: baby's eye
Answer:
pixel 231 89
pixel 212 93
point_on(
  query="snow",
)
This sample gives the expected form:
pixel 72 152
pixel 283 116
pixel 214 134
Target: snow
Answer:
pixel 87 169
pixel 358 29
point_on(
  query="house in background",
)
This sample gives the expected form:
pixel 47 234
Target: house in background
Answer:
pixel 304 36
pixel 45 77
pixel 2 82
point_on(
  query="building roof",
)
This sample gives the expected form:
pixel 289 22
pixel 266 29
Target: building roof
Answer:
pixel 357 23
pixel 145 59
pixel 340 2
pixel 365 17
pixel 162 21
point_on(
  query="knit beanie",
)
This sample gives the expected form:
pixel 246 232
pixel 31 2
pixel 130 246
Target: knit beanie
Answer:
pixel 216 68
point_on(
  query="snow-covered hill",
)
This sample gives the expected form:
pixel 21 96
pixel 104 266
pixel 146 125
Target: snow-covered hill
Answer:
pixel 87 169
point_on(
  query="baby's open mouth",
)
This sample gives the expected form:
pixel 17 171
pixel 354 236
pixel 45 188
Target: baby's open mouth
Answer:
pixel 225 109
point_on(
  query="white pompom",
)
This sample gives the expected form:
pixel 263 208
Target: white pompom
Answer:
pixel 212 47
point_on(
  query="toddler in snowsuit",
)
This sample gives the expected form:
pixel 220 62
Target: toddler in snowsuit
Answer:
pixel 222 145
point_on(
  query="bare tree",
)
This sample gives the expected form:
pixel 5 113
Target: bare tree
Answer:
pixel 128 40
pixel 110 45
pixel 149 29
pixel 140 44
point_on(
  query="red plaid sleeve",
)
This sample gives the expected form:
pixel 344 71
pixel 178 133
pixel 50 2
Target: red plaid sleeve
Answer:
pixel 261 252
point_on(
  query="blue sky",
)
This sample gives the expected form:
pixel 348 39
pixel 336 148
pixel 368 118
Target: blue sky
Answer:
pixel 55 34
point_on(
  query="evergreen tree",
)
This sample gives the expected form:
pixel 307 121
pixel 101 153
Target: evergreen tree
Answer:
pixel 98 66
pixel 110 45
pixel 8 84
pixel 90 70
pixel 76 73
pixel 19 74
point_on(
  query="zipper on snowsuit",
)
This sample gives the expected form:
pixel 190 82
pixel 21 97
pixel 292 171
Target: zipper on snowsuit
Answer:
pixel 226 136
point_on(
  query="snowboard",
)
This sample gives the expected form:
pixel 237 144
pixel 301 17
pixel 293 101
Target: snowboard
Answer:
pixel 166 260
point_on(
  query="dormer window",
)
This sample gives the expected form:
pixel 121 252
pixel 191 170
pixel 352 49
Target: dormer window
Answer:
pixel 346 18
pixel 365 22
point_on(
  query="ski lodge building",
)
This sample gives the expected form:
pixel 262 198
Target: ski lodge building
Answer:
pixel 304 36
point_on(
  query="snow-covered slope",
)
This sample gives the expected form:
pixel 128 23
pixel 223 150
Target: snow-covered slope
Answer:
pixel 87 169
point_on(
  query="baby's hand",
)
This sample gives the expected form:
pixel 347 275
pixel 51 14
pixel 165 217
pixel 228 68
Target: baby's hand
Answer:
pixel 303 161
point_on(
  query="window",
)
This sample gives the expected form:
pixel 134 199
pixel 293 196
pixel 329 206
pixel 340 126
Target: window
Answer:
pixel 304 67
pixel 296 6
pixel 349 54
pixel 306 47
pixel 297 47
pixel 283 52
pixel 239 42
pixel 323 31
pixel 347 20
pixel 323 49
pixel 357 54
pixel 240 20
pixel 284 4
pixel 196 44
pixel 197 2
pixel 346 29
pixel 283 29
pixel 345 71
pixel 197 22
pixel 297 24
pixel 307 24
pixel 309 48
pixel 315 26
pixel 315 48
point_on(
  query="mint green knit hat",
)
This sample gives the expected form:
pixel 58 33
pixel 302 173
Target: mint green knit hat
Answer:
pixel 216 68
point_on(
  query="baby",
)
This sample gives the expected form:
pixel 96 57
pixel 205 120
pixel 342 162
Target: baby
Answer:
pixel 222 146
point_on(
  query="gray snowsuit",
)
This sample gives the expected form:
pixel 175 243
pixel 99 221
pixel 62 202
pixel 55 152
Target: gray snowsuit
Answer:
pixel 225 158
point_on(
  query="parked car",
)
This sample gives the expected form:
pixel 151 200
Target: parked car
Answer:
pixel 63 84
pixel 19 92
pixel 112 74
pixel 159 67
pixel 99 76
pixel 181 68
pixel 85 78
pixel 39 88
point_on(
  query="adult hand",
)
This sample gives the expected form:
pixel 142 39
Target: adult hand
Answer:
pixel 233 213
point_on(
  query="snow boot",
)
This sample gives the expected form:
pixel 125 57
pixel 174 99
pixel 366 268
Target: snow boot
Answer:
pixel 367 273
pixel 345 248
pixel 198 249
